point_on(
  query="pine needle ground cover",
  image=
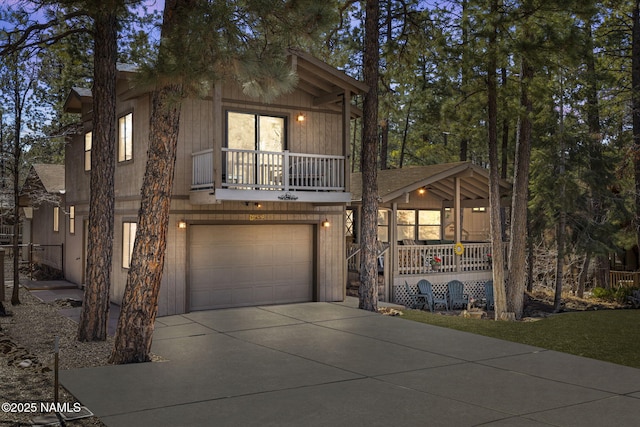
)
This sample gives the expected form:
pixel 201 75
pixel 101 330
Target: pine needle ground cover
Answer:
pixel 609 335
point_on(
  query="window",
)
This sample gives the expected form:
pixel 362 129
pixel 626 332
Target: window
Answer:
pixel 383 226
pixel 248 133
pixel 72 220
pixel 418 224
pixel 481 209
pixel 406 225
pixel 429 225
pixel 128 238
pixel 56 219
pixel 88 138
pixel 349 223
pixel 125 138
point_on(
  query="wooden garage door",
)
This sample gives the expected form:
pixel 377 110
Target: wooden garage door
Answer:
pixel 243 265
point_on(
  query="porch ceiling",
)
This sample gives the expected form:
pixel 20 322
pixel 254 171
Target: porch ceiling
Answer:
pixel 439 179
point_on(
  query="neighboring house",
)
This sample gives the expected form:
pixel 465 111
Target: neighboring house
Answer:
pixel 44 225
pixel 423 212
pixel 259 197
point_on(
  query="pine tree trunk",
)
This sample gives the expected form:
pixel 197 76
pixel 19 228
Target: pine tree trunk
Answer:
pixel 405 135
pixel 368 291
pixel 518 243
pixel 497 250
pixel 134 333
pixel 584 272
pixel 602 272
pixel 17 151
pixel 561 237
pixel 384 144
pixel 95 308
pixel 140 302
pixel 635 101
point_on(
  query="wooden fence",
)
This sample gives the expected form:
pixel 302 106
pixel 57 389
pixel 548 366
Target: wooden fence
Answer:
pixel 624 279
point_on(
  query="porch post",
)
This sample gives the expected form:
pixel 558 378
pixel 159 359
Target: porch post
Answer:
pixel 346 137
pixel 218 135
pixel 457 218
pixel 393 248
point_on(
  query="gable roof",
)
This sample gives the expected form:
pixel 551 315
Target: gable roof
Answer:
pixel 438 179
pixel 326 84
pixel 51 177
pixel 75 99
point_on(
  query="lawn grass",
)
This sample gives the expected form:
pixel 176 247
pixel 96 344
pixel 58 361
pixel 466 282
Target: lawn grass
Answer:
pixel 609 335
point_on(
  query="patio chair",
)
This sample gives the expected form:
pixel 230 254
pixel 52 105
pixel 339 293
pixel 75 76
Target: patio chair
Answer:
pixel 488 294
pixel 413 297
pixel 455 290
pixel 426 291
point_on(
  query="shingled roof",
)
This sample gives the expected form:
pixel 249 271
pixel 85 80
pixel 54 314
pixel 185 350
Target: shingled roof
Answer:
pixel 51 177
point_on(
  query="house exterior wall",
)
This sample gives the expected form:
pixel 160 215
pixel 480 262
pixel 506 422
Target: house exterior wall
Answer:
pixel 73 248
pixel 47 249
pixel 202 127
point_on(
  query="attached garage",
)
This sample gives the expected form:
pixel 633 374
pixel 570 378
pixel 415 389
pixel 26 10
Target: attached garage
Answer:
pixel 245 265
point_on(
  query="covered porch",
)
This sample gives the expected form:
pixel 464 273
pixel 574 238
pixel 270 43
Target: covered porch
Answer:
pixel 433 223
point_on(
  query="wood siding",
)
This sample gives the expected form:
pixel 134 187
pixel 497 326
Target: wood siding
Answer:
pixel 202 127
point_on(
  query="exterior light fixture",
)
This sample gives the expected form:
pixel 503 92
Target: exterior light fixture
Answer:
pixel 422 191
pixel 258 205
pixel 300 118
pixel 326 223
pixel 182 224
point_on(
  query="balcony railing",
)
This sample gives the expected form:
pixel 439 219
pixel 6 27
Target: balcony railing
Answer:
pixel 264 170
pixel 202 174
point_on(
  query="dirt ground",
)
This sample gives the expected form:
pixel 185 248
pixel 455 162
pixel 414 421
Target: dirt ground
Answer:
pixel 542 301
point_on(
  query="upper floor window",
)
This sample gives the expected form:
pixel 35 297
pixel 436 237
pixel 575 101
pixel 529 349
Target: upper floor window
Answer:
pixel 249 131
pixel 88 138
pixel 125 138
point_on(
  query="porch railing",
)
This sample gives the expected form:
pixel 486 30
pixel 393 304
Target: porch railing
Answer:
pixel 423 259
pixel 264 170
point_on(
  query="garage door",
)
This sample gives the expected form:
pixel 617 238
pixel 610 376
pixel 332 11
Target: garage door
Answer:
pixel 243 265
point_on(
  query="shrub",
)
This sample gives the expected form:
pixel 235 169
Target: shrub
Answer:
pixel 620 295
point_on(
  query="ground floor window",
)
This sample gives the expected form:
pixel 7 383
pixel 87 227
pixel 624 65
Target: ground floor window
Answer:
pixel 128 238
pixel 56 219
pixel 420 224
pixel 72 220
pixel 349 223
pixel 383 226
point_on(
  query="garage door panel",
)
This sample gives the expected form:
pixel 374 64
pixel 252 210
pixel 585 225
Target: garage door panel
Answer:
pixel 233 266
pixel 264 294
pixel 242 295
pixel 262 255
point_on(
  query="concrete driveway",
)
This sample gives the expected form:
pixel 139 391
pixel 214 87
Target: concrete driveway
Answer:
pixel 328 364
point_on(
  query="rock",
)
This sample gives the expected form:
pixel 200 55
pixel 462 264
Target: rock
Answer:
pixel 25 363
pixel 388 311
pixel 473 314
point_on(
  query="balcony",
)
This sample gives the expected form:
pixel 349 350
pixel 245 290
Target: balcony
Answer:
pixel 271 176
